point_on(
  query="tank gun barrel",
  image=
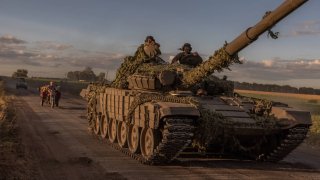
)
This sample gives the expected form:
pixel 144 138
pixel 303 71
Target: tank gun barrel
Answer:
pixel 251 34
pixel 227 55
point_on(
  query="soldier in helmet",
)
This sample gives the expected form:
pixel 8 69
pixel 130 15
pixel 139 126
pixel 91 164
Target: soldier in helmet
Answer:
pixel 187 57
pixel 148 52
pixel 150 47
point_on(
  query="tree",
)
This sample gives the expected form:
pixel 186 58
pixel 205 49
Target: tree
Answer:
pixel 87 74
pixel 71 75
pixel 20 73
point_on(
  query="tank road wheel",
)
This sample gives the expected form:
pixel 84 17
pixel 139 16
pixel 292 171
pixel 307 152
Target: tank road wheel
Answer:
pixel 133 139
pixel 104 127
pixel 112 130
pixel 122 134
pixel 148 142
pixel 96 127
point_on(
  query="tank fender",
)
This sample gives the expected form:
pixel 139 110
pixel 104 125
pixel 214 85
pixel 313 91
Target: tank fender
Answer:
pixel 289 117
pixel 159 110
pixel 176 109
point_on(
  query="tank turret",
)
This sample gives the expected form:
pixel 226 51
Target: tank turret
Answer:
pixel 172 77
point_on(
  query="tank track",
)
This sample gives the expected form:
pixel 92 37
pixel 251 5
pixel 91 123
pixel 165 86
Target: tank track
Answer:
pixel 176 136
pixel 292 140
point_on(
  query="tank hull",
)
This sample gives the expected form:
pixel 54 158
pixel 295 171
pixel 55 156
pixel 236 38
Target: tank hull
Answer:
pixel 157 128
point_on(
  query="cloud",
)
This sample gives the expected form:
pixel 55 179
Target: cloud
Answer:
pixel 276 70
pixel 12 54
pixel 311 27
pixel 268 63
pixel 55 57
pixel 9 39
pixel 108 61
pixel 52 45
pixel 38 56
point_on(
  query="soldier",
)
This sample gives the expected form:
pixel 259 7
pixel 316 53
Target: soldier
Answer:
pixel 52 87
pixel 151 48
pixel 187 57
pixel 149 51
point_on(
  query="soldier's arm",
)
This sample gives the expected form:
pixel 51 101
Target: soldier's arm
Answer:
pixel 176 58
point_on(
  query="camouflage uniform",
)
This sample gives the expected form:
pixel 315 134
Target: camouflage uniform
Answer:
pixel 187 57
pixel 146 53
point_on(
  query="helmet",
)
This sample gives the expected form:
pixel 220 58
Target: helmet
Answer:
pixel 149 37
pixel 186 45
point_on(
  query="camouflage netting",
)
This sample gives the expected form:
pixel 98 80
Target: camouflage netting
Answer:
pixel 262 107
pixel 154 70
pixel 92 91
pixel 219 61
pixel 214 127
pixel 130 65
pixel 211 126
pixel 215 86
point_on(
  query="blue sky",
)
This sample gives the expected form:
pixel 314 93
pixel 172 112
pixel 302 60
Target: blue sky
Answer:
pixel 58 36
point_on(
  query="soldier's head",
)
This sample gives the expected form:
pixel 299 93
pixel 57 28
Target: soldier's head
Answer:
pixel 186 47
pixel 149 39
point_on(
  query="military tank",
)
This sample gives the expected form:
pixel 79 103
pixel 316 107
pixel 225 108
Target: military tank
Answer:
pixel 158 112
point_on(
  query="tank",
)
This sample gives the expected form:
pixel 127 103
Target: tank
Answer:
pixel 157 112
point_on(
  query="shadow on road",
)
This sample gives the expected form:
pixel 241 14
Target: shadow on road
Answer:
pixel 249 165
pixel 72 108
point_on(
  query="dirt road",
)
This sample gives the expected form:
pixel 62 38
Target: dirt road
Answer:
pixel 58 142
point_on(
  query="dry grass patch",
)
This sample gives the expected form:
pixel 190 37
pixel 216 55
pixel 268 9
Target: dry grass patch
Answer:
pixel 304 102
pixel 300 96
pixel 314 134
pixel 13 161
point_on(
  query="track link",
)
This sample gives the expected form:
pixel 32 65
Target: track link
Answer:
pixel 293 139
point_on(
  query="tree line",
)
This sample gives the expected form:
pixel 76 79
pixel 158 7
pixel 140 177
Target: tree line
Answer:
pixel 275 88
pixel 20 73
pixel 86 75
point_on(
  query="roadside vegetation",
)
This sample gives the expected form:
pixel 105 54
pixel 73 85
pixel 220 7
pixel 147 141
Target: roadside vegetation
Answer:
pixel 13 161
pixel 309 103
pixel 314 136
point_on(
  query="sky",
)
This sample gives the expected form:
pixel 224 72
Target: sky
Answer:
pixel 51 37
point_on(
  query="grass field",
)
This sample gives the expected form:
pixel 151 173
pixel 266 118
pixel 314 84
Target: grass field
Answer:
pixel 300 101
pixel 305 102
